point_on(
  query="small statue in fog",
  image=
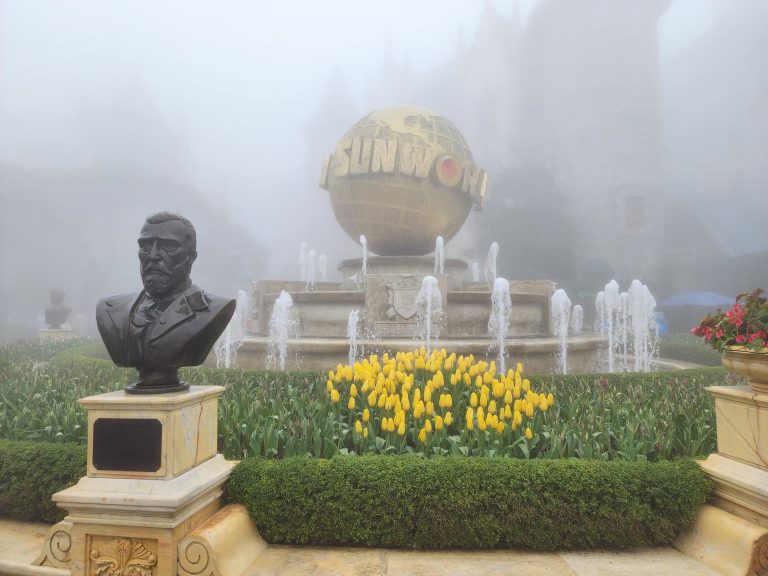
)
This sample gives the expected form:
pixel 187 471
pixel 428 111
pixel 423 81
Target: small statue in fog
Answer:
pixel 169 324
pixel 57 314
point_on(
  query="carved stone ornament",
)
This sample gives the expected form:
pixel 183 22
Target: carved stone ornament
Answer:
pixel 57 548
pixel 402 294
pixel 122 557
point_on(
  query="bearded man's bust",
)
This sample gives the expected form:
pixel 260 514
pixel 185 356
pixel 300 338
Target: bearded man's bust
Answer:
pixel 171 323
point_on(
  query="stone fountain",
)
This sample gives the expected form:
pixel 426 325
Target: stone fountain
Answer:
pixel 402 181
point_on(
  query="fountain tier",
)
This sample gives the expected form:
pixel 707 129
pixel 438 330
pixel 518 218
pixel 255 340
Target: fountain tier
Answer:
pixel 388 319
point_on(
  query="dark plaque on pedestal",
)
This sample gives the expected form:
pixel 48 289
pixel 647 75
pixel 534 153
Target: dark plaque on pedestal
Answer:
pixel 127 444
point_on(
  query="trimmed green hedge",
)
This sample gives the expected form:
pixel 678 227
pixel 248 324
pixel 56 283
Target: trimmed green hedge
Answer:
pixel 688 348
pixel 31 472
pixel 411 502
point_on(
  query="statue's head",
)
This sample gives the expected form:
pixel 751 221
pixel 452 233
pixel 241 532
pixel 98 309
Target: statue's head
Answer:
pixel 167 249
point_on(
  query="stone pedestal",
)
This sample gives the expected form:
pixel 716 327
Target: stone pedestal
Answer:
pixel 153 476
pixel 55 333
pixel 740 467
pixel 733 535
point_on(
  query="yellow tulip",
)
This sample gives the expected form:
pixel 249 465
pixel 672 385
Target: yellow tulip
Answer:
pixel 481 425
pixel 519 367
pixel 366 415
pixel 438 422
pixel 372 399
pixel 483 400
pixel 351 403
pixel 480 413
pixel 391 424
pixel 478 381
pixel 353 390
pixel 469 418
pixel 543 404
pixel 428 425
pixel 430 408
pixel 330 375
pixel 467 379
pixel 329 385
pixel 500 427
pixel 473 400
pixel 384 425
pixel 507 412
pixel 492 407
pixel 358 427
pixel 448 420
pixel 423 436
pixel 508 397
pixel 334 396
pixel 401 429
pixel 528 433
pixel 529 410
pixel 550 399
pixel 365 432
pixel 518 418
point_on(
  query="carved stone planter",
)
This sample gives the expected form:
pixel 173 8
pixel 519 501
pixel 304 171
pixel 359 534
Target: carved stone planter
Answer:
pixel 752 365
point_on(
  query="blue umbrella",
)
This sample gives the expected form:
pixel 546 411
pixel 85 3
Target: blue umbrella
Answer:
pixel 699 299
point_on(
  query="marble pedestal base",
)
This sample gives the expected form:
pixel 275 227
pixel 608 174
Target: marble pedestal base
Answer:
pixel 128 515
pixel 732 535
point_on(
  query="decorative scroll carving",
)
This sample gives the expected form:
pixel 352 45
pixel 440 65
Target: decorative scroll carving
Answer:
pixel 760 558
pixel 122 557
pixel 56 550
pixel 195 558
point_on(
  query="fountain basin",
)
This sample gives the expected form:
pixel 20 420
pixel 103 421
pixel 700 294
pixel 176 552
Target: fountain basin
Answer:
pixel 536 354
pixel 386 299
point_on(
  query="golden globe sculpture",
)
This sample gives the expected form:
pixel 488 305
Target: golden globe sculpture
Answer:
pixel 402 176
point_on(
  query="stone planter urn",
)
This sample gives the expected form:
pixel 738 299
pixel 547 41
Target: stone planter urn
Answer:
pixel 751 365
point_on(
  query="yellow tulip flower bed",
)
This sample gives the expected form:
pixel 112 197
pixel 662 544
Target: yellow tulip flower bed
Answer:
pixel 437 404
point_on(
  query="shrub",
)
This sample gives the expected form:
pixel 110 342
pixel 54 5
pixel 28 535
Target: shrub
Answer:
pixel 688 348
pixel 412 502
pixel 627 416
pixel 31 472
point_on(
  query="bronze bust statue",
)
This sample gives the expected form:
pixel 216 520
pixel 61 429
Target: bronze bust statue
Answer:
pixel 172 322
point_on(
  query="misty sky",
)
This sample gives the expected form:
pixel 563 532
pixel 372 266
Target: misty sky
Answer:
pixel 238 81
pixel 236 86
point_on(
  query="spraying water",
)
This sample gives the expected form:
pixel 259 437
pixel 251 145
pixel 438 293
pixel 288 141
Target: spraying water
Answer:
pixel 611 303
pixel 501 307
pixel 643 326
pixel 439 255
pixel 231 339
pixel 322 264
pixel 475 272
pixel 352 335
pixel 303 261
pixel 364 244
pixel 577 320
pixel 429 310
pixel 490 264
pixel 628 319
pixel 312 270
pixel 282 325
pixel 561 316
pixel 600 312
pixel 621 329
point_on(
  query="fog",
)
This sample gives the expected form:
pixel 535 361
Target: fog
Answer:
pixel 622 138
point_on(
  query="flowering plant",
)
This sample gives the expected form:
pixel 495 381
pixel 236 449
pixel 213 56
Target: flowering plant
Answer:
pixel 745 326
